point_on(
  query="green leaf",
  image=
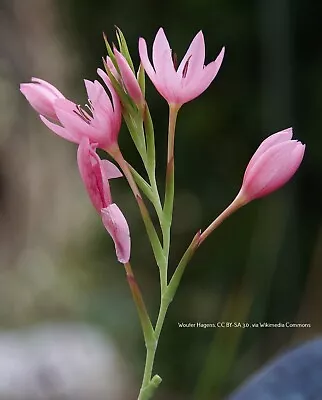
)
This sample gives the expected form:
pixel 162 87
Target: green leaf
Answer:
pixel 142 183
pixel 154 239
pixel 110 54
pixel 123 47
pixel 149 133
pixel 141 79
pixel 176 277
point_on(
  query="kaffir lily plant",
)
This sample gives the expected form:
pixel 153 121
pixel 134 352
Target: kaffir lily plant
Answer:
pixel 97 125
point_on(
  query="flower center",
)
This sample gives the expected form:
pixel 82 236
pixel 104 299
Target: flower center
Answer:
pixel 175 60
pixel 185 68
pixel 83 114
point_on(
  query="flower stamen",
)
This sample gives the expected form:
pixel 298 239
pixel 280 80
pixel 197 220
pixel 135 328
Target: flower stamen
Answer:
pixel 185 68
pixel 83 114
pixel 175 60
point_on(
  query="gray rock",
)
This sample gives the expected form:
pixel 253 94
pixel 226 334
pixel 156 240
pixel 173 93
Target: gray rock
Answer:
pixel 296 375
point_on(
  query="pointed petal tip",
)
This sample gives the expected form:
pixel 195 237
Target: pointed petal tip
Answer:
pixel 23 87
pixel 200 36
pixel 221 54
pixel 88 82
pixel 286 134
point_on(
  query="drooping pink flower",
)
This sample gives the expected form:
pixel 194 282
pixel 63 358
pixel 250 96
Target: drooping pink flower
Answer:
pixel 178 86
pixel 41 96
pixel 95 174
pixel 127 77
pixel 273 164
pixel 99 121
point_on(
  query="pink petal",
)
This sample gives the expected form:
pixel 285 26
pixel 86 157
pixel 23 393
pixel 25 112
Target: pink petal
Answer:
pixel 112 68
pixel 168 79
pixel 92 90
pixel 90 171
pixel 49 86
pixel 116 116
pixel 102 100
pixel 163 81
pixel 110 170
pixel 68 116
pixel 39 98
pixel 143 51
pixel 276 138
pixel 201 82
pixel 60 131
pixel 117 226
pixel 195 57
pixel 273 169
pixel 161 53
pixel 102 74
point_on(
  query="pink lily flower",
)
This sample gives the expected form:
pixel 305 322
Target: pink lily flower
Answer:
pixel 127 78
pixel 100 121
pixel 95 174
pixel 178 86
pixel 41 96
pixel 273 164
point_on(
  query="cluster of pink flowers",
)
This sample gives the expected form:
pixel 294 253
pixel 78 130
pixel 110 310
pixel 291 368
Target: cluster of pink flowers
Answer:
pixel 97 125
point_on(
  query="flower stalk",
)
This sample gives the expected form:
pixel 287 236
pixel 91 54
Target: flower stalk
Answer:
pixel 97 125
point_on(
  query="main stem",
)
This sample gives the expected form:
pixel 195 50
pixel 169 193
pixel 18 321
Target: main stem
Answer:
pixel 166 228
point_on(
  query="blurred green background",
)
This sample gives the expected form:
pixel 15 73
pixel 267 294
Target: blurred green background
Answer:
pixel 264 264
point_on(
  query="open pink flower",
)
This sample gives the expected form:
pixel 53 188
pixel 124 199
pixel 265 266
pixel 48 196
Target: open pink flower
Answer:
pixel 273 164
pixel 190 79
pixel 41 96
pixel 126 77
pixel 96 174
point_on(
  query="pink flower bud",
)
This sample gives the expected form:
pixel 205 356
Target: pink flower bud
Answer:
pixel 129 79
pixel 190 79
pixel 41 96
pixel 273 164
pixel 95 174
pixel 126 78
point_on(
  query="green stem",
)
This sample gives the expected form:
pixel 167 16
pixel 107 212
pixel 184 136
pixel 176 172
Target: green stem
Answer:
pixel 238 202
pixel 165 223
pixel 148 385
pixel 169 185
pixel 145 392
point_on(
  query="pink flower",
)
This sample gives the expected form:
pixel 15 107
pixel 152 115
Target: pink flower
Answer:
pixel 190 79
pixel 99 121
pixel 41 96
pixel 96 174
pixel 127 78
pixel 273 164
